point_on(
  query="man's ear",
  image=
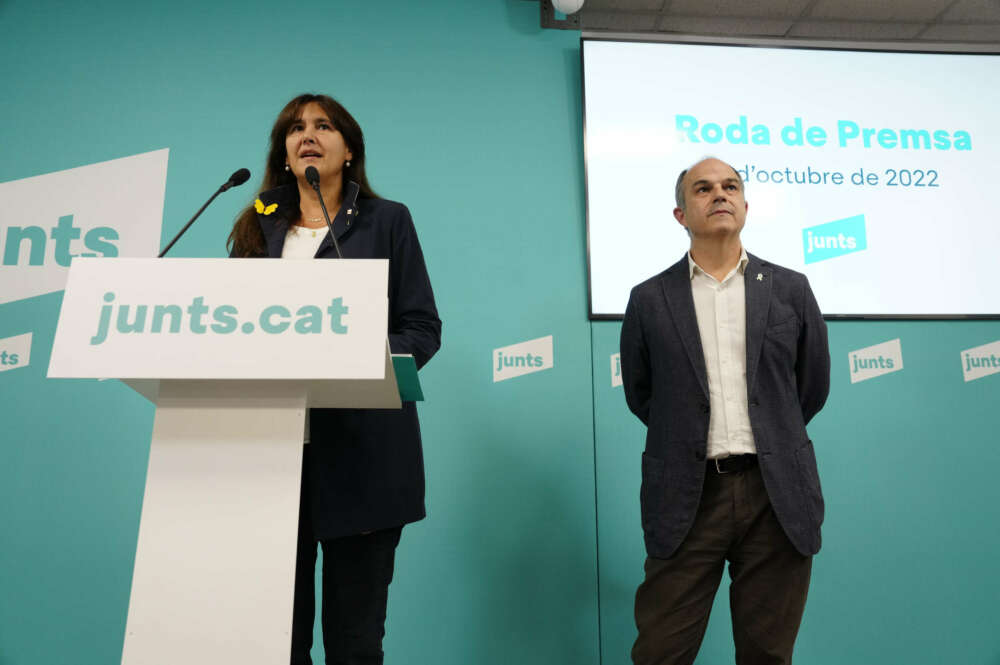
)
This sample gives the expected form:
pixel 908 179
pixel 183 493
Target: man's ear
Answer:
pixel 679 216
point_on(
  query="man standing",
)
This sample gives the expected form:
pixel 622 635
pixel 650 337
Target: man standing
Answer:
pixel 725 359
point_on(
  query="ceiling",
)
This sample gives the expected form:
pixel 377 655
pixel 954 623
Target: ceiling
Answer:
pixel 914 21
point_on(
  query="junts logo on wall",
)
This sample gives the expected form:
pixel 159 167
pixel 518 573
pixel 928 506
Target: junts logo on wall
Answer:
pixel 523 358
pixel 616 370
pixel 108 209
pixel 981 361
pixel 15 352
pixel 872 361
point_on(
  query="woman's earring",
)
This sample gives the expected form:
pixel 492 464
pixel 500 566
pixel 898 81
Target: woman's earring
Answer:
pixel 287 167
pixel 347 163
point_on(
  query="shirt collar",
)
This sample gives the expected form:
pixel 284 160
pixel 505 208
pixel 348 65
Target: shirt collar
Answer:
pixel 741 266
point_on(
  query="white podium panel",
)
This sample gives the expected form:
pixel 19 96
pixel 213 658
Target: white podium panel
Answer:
pixel 215 562
pixel 222 319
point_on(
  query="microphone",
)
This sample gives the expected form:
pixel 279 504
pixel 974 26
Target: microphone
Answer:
pixel 235 180
pixel 312 177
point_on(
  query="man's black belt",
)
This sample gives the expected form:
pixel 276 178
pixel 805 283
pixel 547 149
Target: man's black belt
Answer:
pixel 732 464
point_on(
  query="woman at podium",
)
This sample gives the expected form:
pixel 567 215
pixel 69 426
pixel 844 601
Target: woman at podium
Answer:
pixel 362 471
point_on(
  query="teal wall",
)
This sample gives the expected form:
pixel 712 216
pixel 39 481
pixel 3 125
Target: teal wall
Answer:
pixel 473 119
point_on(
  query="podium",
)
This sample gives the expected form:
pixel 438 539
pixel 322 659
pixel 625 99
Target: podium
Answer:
pixel 232 352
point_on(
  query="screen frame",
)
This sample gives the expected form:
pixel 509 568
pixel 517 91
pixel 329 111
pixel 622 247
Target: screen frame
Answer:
pixel 791 44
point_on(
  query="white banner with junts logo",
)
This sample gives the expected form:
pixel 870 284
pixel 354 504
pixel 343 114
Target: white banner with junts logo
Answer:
pixel 108 209
pixel 522 358
pixel 876 360
pixel 616 370
pixel 981 361
pixel 15 352
pixel 223 319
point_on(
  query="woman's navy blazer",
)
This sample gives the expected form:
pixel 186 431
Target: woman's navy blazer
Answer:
pixel 363 469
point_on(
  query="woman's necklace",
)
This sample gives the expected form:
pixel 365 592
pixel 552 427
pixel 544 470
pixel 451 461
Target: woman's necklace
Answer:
pixel 312 220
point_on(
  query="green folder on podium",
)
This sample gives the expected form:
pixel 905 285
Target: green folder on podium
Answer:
pixel 406 378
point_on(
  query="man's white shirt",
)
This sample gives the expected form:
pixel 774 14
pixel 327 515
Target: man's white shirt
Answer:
pixel 720 308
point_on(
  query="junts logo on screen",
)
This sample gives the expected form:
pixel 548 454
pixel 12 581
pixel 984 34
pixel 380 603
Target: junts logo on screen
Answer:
pixel 200 318
pixel 833 239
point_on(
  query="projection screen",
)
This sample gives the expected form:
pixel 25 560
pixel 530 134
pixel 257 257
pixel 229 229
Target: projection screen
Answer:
pixel 874 173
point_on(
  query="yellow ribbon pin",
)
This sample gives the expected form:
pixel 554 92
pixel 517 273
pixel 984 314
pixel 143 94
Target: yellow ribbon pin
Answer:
pixel 262 209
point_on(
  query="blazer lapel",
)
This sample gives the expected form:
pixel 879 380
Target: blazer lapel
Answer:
pixel 345 218
pixel 274 224
pixel 340 227
pixel 757 282
pixel 676 285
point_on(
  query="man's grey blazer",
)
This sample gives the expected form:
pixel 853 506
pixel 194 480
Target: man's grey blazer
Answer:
pixel 666 386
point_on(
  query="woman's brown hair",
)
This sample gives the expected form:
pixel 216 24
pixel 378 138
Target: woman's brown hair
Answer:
pixel 246 238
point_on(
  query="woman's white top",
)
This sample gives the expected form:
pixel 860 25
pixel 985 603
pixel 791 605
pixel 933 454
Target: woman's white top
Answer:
pixel 302 242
